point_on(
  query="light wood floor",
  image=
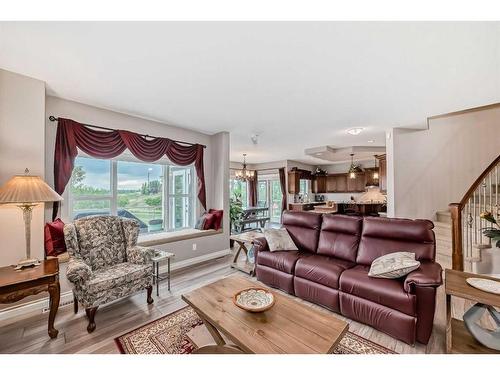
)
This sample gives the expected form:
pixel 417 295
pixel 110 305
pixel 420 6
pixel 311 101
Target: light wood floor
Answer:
pixel 29 335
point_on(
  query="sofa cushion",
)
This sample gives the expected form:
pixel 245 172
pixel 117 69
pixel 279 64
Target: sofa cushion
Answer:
pixel 393 265
pixel 101 241
pixel 280 260
pixel 279 240
pixel 322 269
pixel 381 236
pixel 304 229
pixel 117 275
pixel 340 235
pixel 386 292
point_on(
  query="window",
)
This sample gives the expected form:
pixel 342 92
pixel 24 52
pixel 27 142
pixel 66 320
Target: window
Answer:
pixel 238 189
pixel 159 195
pixel 262 193
pixel 269 195
pixel 304 187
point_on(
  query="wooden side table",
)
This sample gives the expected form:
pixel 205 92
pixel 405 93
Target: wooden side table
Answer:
pixel 16 285
pixel 458 338
pixel 160 256
pixel 241 239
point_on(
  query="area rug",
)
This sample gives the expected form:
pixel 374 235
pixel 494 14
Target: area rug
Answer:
pixel 168 335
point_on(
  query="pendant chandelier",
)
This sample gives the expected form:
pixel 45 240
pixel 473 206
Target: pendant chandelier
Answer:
pixel 244 174
pixel 352 169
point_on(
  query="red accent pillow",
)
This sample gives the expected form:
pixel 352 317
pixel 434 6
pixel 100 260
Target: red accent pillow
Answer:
pixel 54 238
pixel 209 221
pixel 218 218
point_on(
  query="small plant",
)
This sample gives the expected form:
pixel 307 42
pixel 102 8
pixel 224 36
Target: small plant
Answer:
pixel 493 233
pixel 235 211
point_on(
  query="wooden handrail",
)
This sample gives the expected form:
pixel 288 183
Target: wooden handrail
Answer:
pixel 456 218
pixel 478 181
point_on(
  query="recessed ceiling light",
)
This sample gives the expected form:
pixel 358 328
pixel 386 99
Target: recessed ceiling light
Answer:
pixel 355 131
pixel 318 154
pixel 371 141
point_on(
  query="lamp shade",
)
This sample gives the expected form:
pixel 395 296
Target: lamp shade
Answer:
pixel 27 189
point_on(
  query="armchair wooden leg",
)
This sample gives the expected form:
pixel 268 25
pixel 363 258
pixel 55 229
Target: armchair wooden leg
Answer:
pixel 150 290
pixel 91 315
pixel 75 304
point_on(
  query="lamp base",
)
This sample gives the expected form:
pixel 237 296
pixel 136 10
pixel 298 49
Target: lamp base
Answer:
pixel 27 263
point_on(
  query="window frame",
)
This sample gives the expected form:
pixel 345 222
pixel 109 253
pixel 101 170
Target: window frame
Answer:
pixel 270 179
pixel 113 196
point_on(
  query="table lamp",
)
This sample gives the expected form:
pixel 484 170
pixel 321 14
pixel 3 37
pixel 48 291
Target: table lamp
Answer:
pixel 27 191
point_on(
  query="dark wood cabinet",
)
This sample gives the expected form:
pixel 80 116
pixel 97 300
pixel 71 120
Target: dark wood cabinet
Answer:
pixel 382 173
pixel 357 184
pixel 318 185
pixel 369 179
pixel 336 183
pixel 293 182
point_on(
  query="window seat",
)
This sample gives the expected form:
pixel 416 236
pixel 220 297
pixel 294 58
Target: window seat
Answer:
pixel 180 235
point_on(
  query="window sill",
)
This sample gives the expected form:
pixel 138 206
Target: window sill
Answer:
pixel 181 235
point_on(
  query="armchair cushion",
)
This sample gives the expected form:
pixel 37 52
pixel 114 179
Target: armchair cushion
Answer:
pixel 117 276
pixel 101 240
pixel 427 275
pixel 78 271
pixel 140 254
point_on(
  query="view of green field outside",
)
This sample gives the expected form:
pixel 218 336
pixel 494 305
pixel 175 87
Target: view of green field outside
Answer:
pixel 139 190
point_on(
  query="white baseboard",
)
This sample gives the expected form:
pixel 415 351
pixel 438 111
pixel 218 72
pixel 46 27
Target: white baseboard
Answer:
pixel 28 308
pixel 42 304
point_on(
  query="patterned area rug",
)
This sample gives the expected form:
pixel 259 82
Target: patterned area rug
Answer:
pixel 168 335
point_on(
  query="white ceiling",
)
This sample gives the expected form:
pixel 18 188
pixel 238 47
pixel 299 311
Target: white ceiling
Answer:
pixel 297 84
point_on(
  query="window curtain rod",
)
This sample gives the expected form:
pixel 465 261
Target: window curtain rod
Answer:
pixel 55 119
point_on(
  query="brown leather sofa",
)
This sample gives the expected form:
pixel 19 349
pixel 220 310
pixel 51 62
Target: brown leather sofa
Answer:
pixel 332 264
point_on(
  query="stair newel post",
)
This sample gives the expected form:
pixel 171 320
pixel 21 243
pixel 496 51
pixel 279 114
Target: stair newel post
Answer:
pixel 456 237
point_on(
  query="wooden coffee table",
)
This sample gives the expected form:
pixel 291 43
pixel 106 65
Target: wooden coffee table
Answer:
pixel 290 326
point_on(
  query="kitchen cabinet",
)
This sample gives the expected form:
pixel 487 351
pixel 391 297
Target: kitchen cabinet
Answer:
pixel 319 184
pixel 369 180
pixel 382 173
pixel 336 183
pixel 357 184
pixel 293 182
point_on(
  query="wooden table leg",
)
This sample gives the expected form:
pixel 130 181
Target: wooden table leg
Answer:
pixel 213 331
pixel 448 324
pixel 240 244
pixel 54 292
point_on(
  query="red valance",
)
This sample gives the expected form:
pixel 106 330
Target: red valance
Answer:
pixel 72 136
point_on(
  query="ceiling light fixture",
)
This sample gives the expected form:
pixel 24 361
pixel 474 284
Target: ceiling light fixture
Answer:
pixel 244 174
pixel 355 131
pixel 352 168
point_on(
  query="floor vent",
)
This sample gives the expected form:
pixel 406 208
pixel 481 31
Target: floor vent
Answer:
pixel 61 304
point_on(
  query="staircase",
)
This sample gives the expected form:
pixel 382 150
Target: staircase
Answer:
pixel 471 250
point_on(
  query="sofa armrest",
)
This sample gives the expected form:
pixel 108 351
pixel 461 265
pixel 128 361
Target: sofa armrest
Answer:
pixel 427 275
pixel 78 272
pixel 259 244
pixel 140 254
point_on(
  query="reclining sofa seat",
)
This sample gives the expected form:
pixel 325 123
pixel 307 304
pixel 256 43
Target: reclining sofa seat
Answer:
pixel 334 274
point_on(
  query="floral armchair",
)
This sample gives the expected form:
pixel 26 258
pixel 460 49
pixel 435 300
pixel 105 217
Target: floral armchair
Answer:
pixel 105 262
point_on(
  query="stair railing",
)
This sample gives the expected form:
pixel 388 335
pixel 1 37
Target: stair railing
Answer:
pixel 467 225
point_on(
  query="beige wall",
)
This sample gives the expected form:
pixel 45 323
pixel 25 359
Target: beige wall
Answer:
pixel 22 113
pixel 432 168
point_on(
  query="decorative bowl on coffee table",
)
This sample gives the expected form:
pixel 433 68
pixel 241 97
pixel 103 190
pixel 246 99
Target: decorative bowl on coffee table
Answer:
pixel 254 299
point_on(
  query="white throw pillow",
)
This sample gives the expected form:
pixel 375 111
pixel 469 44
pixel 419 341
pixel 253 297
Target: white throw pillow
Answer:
pixel 394 265
pixel 279 240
